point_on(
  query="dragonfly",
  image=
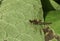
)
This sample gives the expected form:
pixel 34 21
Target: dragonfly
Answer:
pixel 39 22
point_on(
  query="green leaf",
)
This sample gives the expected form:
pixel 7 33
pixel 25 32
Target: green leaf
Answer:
pixel 54 17
pixel 14 20
pixel 55 5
